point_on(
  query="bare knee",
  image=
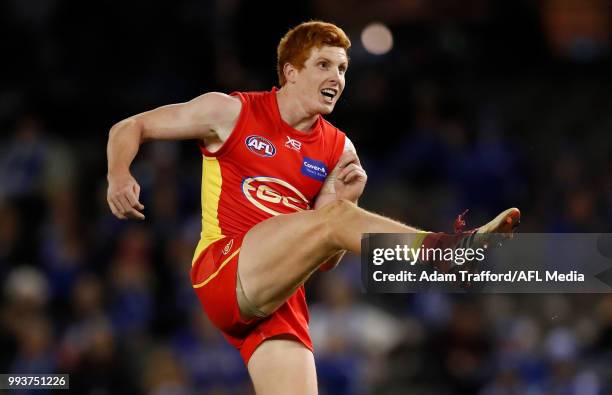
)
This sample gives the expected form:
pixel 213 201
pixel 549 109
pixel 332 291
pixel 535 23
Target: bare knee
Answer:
pixel 335 216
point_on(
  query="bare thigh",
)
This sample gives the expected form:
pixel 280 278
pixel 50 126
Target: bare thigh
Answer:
pixel 279 254
pixel 280 366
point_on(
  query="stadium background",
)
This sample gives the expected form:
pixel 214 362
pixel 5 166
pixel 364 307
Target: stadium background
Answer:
pixel 480 104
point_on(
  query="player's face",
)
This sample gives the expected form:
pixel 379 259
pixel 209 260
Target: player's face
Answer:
pixel 321 80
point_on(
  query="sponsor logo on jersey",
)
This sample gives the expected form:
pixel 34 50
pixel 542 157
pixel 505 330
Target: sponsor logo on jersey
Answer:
pixel 228 247
pixel 260 146
pixel 314 169
pixel 274 196
pixel 293 144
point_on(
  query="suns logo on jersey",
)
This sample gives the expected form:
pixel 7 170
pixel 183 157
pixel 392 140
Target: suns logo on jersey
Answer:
pixel 274 196
pixel 260 146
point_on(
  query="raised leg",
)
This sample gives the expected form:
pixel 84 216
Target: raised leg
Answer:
pixel 280 254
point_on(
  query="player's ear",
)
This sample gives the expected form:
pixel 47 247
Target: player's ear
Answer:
pixel 290 72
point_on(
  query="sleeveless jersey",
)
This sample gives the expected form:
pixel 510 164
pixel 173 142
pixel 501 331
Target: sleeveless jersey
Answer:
pixel 265 168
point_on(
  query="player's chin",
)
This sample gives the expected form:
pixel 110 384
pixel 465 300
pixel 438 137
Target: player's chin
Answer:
pixel 327 108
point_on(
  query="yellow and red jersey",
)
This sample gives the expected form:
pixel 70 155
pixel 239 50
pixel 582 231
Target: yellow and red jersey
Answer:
pixel 265 168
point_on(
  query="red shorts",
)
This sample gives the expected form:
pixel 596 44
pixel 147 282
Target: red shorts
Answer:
pixel 213 277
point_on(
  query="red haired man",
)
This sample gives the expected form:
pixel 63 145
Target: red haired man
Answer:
pixel 279 192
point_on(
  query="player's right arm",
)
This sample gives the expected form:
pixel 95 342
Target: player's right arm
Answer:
pixel 210 117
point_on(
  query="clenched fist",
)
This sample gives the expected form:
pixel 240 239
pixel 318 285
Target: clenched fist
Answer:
pixel 351 178
pixel 123 197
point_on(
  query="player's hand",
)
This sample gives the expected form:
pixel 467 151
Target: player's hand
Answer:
pixel 123 197
pixel 351 179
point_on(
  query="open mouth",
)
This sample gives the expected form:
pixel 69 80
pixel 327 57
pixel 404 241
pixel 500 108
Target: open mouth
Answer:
pixel 329 94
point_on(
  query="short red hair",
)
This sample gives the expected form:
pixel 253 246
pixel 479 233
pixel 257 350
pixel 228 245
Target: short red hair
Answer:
pixel 296 45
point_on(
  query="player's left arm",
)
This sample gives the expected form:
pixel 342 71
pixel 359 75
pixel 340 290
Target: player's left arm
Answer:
pixel 346 181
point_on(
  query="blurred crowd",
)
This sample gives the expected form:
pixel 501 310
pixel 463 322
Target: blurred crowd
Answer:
pixel 480 104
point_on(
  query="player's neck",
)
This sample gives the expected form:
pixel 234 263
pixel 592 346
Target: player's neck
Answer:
pixel 292 111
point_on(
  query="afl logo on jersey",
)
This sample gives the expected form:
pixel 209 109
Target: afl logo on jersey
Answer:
pixel 274 196
pixel 260 146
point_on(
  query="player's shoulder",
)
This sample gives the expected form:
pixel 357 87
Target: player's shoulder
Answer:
pixel 261 105
pixel 215 109
pixel 330 131
pixel 218 102
pixel 251 96
pixel 335 139
pixel 328 126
